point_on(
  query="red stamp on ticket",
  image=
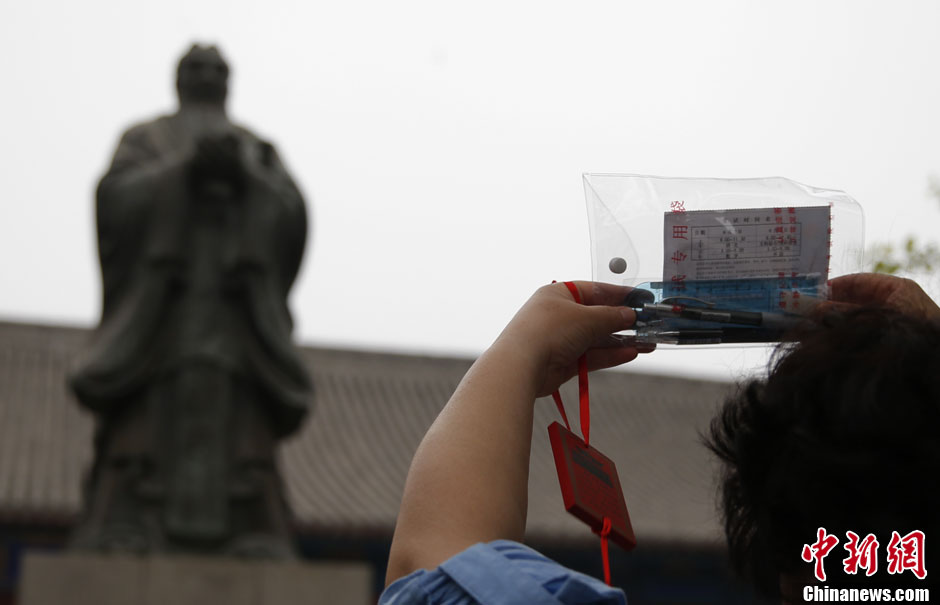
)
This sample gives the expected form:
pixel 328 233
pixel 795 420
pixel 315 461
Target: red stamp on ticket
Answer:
pixel 590 485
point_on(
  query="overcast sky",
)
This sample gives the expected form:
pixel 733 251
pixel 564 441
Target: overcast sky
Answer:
pixel 440 145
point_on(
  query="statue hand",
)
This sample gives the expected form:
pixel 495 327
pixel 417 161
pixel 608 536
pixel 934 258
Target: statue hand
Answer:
pixel 218 156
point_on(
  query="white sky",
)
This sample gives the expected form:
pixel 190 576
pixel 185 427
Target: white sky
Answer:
pixel 441 144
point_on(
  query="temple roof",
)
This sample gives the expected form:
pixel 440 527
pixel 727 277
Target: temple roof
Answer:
pixel 346 468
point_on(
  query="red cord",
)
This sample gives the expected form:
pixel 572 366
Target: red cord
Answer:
pixel 605 531
pixel 561 408
pixel 585 398
pixel 556 395
pixel 584 395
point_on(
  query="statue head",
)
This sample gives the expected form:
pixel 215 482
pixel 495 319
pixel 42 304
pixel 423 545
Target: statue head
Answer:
pixel 202 76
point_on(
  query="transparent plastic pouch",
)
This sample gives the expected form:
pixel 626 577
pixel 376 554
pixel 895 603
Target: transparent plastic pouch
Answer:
pixel 704 248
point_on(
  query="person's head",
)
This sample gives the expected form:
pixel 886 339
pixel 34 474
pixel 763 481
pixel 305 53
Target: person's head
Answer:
pixel 202 76
pixel 842 435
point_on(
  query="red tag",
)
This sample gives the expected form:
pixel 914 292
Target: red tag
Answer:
pixel 590 485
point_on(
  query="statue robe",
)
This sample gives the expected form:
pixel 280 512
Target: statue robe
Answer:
pixel 194 317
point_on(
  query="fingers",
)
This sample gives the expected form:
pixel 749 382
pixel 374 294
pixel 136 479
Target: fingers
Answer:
pixel 602 311
pixel 602 358
pixel 599 293
pixel 623 341
pixel 863 288
pixel 599 359
pixel 607 320
pixel 614 340
pixel 898 293
pixel 830 306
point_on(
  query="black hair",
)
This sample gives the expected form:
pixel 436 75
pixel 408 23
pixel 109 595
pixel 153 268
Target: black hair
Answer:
pixel 842 434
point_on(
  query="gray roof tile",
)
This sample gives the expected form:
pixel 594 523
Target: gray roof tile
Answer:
pixel 345 469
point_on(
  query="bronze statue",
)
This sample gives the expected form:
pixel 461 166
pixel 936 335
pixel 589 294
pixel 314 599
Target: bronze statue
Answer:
pixel 191 372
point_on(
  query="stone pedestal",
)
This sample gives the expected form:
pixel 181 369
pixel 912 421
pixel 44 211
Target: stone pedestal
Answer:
pixel 87 579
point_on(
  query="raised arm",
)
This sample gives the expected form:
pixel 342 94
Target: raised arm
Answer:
pixel 468 481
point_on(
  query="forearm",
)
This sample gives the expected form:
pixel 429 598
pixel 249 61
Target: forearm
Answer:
pixel 468 481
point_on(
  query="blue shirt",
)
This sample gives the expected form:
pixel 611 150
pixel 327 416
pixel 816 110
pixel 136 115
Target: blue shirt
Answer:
pixel 500 573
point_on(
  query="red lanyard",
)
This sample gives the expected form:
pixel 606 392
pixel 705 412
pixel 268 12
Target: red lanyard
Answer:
pixel 584 398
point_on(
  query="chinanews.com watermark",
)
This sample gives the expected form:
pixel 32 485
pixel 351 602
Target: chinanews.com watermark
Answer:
pixel 822 594
pixel 903 554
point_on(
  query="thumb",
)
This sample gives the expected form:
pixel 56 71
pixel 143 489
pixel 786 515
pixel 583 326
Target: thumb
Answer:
pixel 607 319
